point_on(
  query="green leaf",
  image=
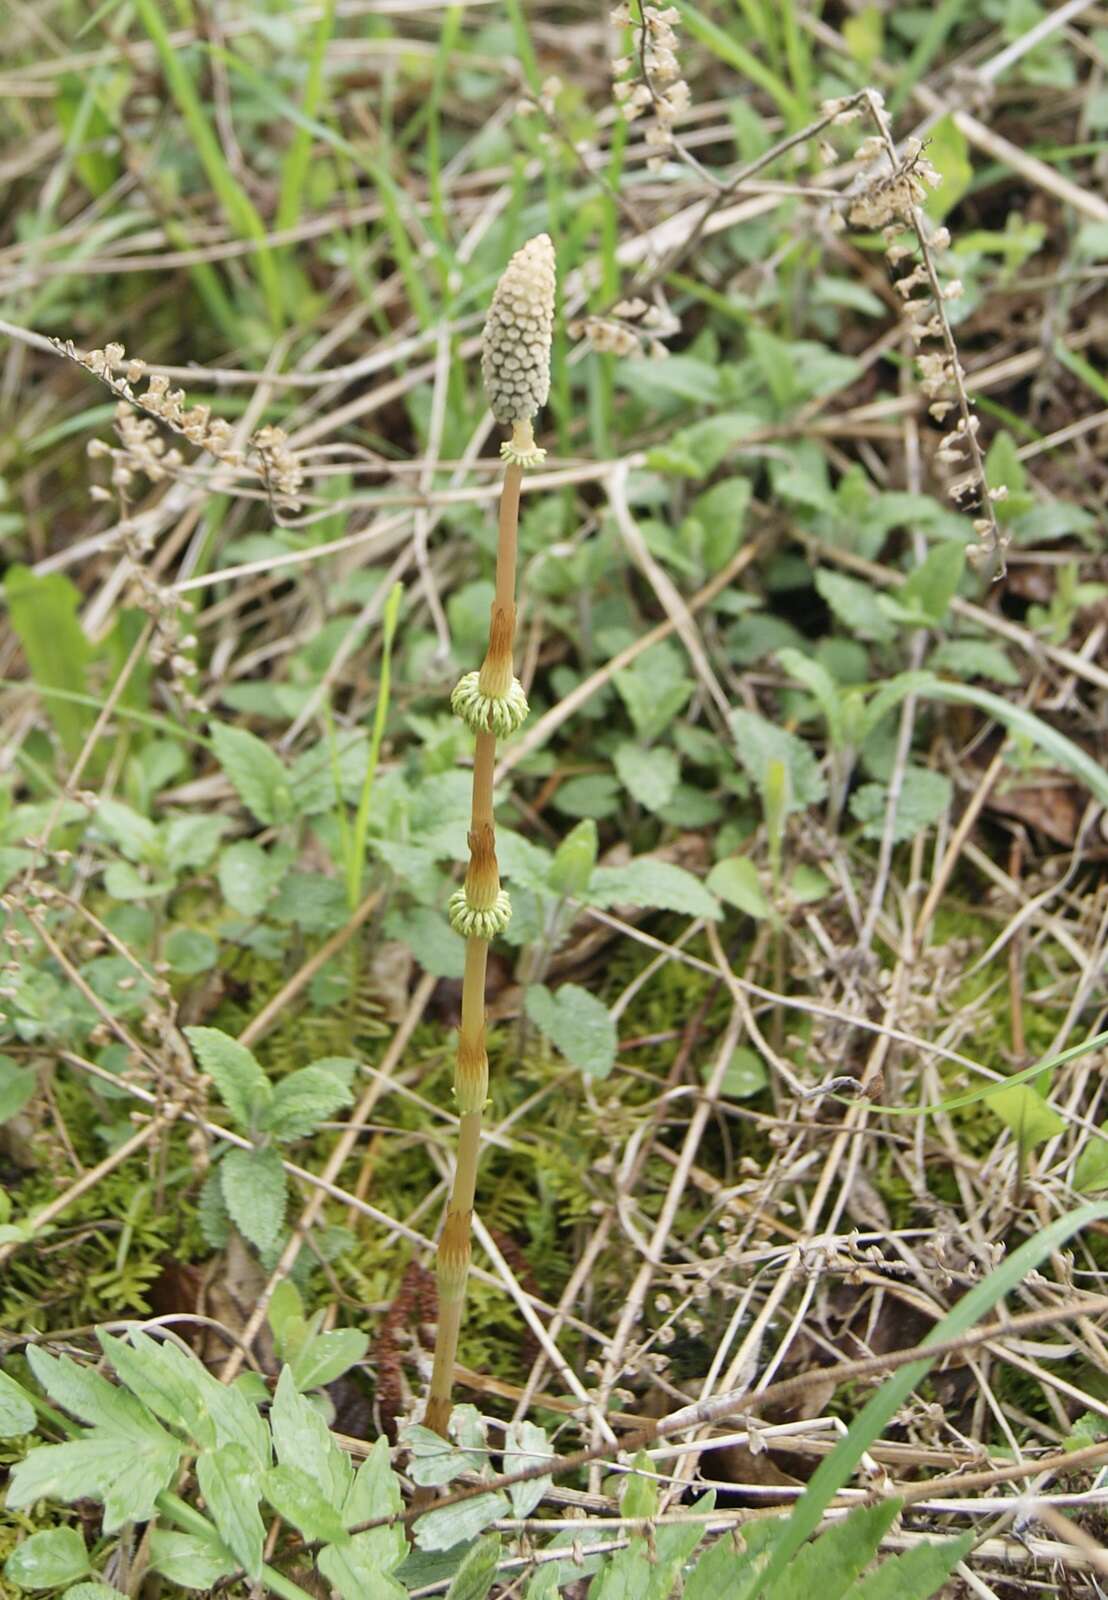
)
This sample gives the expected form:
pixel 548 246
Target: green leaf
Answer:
pixel 296 1497
pixel 125 882
pixel 17 1414
pixel 1090 1172
pixel 306 1098
pixel 856 606
pixel 57 1555
pixel 1024 1111
pixel 808 884
pixel 917 1574
pixel 835 1559
pixel 137 837
pixel 17 1085
pixel 974 658
pixel 355 1574
pixel 760 743
pixel 326 1356
pixel 190 952
pixel 248 876
pixel 736 880
pixel 697 450
pixel 526 1445
pixel 735 1556
pixel 650 776
pixel 191 842
pixel 374 1493
pixel 474 1578
pixel 596 794
pixel 933 585
pixel 243 1086
pixel 255 1194
pixel 828 695
pixel 744 1075
pixel 190 1560
pixel 174 1386
pixel 457 1524
pixel 435 1460
pixel 923 798
pixel 43 611
pixel 229 1482
pixel 574 860
pixel 126 1471
pixel 85 1392
pixel 948 153
pixel 577 1023
pixel 658 884
pixel 303 1440
pixel 92 1591
pixel 257 773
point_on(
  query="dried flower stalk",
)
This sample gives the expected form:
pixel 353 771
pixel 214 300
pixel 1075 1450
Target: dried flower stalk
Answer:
pixel 516 368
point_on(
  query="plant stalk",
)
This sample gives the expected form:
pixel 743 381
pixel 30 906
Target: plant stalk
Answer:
pixel 452 1261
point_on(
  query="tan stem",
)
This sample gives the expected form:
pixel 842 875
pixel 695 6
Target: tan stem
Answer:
pixel 454 1242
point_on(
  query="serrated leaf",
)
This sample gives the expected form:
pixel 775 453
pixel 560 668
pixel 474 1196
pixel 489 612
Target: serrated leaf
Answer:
pixel 924 796
pixel 255 1194
pixel 229 1482
pixel 374 1493
pixel 577 1023
pixel 326 1356
pixel 302 1439
pixel 355 1574
pixel 661 885
pixel 92 1591
pixel 759 744
pixel 730 1558
pixel 649 776
pixel 126 1472
pixel 243 1086
pixel 526 1445
pixel 736 880
pixel 190 952
pixel 189 1560
pixel 212 1213
pixel 170 1384
pixel 297 1497
pixel 308 1097
pixel 256 772
pixel 831 1563
pixel 434 1460
pixel 474 1578
pixel 929 590
pixel 856 606
pixel 457 1524
pixel 87 1393
pixel 191 842
pixel 135 835
pixel 57 1555
pixel 917 1574
pixel 17 1414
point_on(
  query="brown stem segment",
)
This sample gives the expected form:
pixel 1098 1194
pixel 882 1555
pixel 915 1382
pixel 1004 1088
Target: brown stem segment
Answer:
pixel 471 1065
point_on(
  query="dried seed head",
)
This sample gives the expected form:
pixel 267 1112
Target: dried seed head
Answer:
pixel 515 362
